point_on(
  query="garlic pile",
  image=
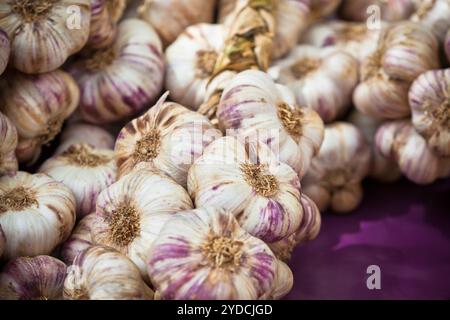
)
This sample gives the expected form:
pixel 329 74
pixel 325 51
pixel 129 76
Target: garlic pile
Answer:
pixel 44 33
pixel 8 138
pixel 38 278
pixel 389 10
pixel 434 15
pixel 4 50
pixel 104 17
pixel 321 79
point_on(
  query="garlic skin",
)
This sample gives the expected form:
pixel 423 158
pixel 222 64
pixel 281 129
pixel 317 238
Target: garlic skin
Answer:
pixel 9 139
pixel 434 15
pixel 204 254
pixel 4 50
pixel 321 79
pixel 36 213
pixel 37 278
pixel 334 179
pixel 429 98
pixel 122 79
pixel 447 45
pixel 102 273
pixel 254 106
pixel 44 33
pixel 391 10
pixel 104 17
pixel 284 281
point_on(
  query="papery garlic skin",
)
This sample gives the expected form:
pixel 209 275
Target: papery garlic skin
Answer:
pixel 104 17
pixel 121 80
pixel 204 254
pixel 38 278
pixel 321 79
pixel 390 10
pixel 102 273
pixel 36 213
pixel 4 50
pixel 8 144
pixel 434 15
pixel 44 33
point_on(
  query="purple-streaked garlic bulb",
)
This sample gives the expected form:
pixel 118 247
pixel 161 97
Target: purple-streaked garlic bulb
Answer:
pixel 8 144
pixel 2 241
pixel 389 10
pixel 434 15
pixel 37 278
pixel 405 51
pixel 322 79
pixel 121 80
pixel 447 45
pixel 283 283
pixel 4 50
pixel 204 254
pixel 334 179
pixel 429 98
pixel 36 213
pixel 102 273
pixel 322 8
pixel 252 105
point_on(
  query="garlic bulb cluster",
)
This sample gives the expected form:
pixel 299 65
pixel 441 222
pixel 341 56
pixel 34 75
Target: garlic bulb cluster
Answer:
pixel 8 144
pixel 405 51
pixel 434 15
pixel 102 273
pixel 36 214
pixel 4 51
pixel 104 17
pixel 44 33
pixel 334 179
pixel 37 105
pixel 321 79
pixel 252 105
pixel 37 278
pixel 121 80
pixel 389 10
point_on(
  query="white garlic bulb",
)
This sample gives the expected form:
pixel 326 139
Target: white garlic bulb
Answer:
pixel 8 144
pixel 44 33
pixel 104 17
pixel 321 79
pixel 121 80
pixel 252 105
pixel 389 10
pixel 4 50
pixel 102 273
pixel 36 213
pixel 434 15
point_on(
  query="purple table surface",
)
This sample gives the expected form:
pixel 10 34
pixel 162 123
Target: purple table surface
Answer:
pixel 402 228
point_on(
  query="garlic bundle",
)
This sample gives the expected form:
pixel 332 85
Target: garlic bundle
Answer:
pixel 429 98
pixel 104 17
pixel 8 144
pixel 389 10
pixel 4 51
pixel 37 105
pixel 253 106
pixel 447 45
pixel 122 79
pixel 204 254
pixel 36 213
pixel 321 79
pixel 44 33
pixel 334 179
pixel 190 61
pixel 171 17
pixel 434 15
pixel 38 278
pixel 405 51
pixel 401 142
pixel 102 273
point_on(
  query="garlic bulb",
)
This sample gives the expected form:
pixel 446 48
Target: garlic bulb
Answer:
pixel 36 213
pixel 334 179
pixel 102 273
pixel 321 79
pixel 405 51
pixel 323 8
pixel 44 33
pixel 37 106
pixel 253 106
pixel 390 10
pixel 434 15
pixel 8 144
pixel 104 17
pixel 171 17
pixel 283 283
pixel 38 278
pixel 447 45
pixel 121 80
pixel 205 254
pixel 4 50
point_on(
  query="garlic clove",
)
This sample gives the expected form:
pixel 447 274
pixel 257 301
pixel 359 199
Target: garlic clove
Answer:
pixel 104 17
pixel 284 281
pixel 434 15
pixel 4 50
pixel 391 10
pixel 9 138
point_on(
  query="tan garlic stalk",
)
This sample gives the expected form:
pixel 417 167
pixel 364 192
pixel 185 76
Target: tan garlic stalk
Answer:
pixel 4 50
pixel 121 80
pixel 36 213
pixel 37 106
pixel 434 15
pixel 321 78
pixel 44 33
pixel 8 144
pixel 389 10
pixel 334 179
pixel 102 273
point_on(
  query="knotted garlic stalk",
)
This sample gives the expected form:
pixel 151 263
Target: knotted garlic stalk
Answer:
pixel 321 79
pixel 36 213
pixel 434 15
pixel 121 80
pixel 8 144
pixel 44 33
pixel 38 278
pixel 334 179
pixel 389 10
pixel 102 273
pixel 253 106
pixel 4 50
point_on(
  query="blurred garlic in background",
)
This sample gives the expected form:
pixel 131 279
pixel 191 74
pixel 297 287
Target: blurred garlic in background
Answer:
pixel 8 144
pixel 390 10
pixel 435 15
pixel 4 50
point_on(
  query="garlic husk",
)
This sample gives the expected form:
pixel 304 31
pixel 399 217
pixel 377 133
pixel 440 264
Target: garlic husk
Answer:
pixel 447 45
pixel 36 213
pixel 102 273
pixel 321 78
pixel 44 33
pixel 335 175
pixel 204 254
pixel 4 50
pixel 190 61
pixel 322 8
pixel 390 10
pixel 9 139
pixel 434 15
pixel 429 98
pixel 37 278
pixel 284 281
pixel 252 105
pixel 121 80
